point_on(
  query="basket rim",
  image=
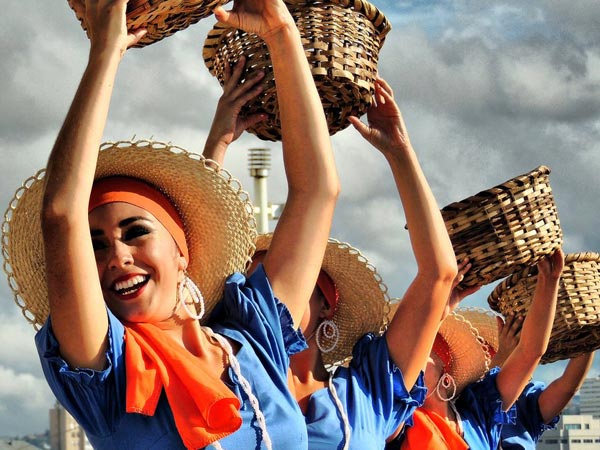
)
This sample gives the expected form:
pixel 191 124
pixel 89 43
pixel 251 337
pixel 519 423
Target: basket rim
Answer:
pixel 370 11
pixel 512 280
pixel 508 185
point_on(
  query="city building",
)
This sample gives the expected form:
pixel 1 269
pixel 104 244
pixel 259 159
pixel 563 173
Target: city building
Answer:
pixel 590 397
pixel 580 432
pixel 65 432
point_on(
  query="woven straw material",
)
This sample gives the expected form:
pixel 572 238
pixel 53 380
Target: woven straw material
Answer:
pixel 484 320
pixel 341 39
pixel 363 305
pixel 217 215
pixel 161 18
pixel 576 328
pixel 470 360
pixel 505 228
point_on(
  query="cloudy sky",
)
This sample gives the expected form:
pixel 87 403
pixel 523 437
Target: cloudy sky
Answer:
pixel 489 90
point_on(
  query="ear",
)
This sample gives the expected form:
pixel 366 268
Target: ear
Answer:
pixel 326 312
pixel 181 266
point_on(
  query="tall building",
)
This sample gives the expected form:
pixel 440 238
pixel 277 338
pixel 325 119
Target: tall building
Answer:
pixel 65 432
pixel 590 397
pixel 581 432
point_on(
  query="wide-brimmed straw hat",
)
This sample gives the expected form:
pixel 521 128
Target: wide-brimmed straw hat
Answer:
pixel 363 298
pixel 485 321
pixel 469 358
pixel 217 216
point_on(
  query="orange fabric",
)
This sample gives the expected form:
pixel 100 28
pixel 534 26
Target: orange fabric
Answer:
pixel 204 408
pixel 430 431
pixel 140 193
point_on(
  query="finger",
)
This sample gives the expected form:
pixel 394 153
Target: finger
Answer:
pixel 227 17
pixel 135 36
pixel 385 86
pixel 362 128
pixel 238 69
pixel 253 119
pixel 500 324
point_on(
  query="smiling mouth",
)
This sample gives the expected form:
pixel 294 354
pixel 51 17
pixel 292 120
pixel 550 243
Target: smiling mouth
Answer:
pixel 130 286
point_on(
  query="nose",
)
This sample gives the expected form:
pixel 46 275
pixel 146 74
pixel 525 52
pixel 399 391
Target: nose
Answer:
pixel 120 255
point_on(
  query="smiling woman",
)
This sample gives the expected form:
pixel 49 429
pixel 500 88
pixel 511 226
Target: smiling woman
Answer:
pixel 115 254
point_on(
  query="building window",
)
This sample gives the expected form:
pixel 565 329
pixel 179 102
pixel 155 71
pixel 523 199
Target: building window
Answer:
pixel 576 441
pixel 573 426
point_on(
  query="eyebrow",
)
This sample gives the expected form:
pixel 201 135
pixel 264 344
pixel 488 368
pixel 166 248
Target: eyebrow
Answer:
pixel 123 223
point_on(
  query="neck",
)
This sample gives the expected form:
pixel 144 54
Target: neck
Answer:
pixel 440 407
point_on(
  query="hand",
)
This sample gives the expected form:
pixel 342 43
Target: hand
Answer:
pixel 551 266
pixel 386 130
pixel 261 17
pixel 458 292
pixel 107 26
pixel 509 333
pixel 227 123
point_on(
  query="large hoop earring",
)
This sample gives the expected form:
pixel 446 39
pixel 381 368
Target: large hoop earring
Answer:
pixel 446 381
pixel 195 295
pixel 329 330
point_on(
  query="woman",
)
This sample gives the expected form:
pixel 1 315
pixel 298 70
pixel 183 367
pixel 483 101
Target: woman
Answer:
pixel 539 406
pixel 461 412
pixel 143 373
pixel 361 405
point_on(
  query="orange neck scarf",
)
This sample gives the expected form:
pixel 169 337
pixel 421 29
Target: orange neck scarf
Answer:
pixel 204 408
pixel 432 432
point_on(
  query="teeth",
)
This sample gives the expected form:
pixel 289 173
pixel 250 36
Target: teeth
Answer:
pixel 122 286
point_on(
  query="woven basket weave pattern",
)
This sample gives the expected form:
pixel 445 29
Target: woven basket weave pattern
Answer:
pixel 341 40
pixel 576 327
pixel 505 228
pixel 161 18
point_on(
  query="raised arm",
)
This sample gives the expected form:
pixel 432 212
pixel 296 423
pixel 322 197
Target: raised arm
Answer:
pixel 535 333
pixel 560 392
pixel 77 308
pixel 419 313
pixel 296 251
pixel 228 123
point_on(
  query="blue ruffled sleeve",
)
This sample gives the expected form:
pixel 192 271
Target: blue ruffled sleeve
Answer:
pixel 529 425
pixel 93 397
pixel 482 414
pixel 250 306
pixel 392 401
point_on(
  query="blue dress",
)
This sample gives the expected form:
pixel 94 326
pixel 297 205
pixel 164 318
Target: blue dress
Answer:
pixel 374 397
pixel 529 425
pixel 480 408
pixel 264 330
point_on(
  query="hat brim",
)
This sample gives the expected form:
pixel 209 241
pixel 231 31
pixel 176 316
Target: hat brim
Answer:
pixel 363 297
pixel 470 360
pixel 217 215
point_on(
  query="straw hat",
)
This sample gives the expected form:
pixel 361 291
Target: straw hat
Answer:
pixel 363 299
pixel 217 215
pixel 469 359
pixel 484 320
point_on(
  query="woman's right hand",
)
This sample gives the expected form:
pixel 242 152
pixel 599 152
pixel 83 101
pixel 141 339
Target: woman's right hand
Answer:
pixel 107 26
pixel 261 17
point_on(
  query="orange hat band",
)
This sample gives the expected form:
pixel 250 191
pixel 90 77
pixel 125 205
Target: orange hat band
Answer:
pixel 141 194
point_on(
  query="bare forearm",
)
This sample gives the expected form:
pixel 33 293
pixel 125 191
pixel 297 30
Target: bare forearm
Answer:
pixel 540 318
pixel 560 392
pixel 72 163
pixel 428 235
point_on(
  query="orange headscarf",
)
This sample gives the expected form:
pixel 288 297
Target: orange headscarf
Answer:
pixel 141 194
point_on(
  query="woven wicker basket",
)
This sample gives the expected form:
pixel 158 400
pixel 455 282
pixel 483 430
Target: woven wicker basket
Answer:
pixel 161 18
pixel 505 228
pixel 576 328
pixel 341 39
